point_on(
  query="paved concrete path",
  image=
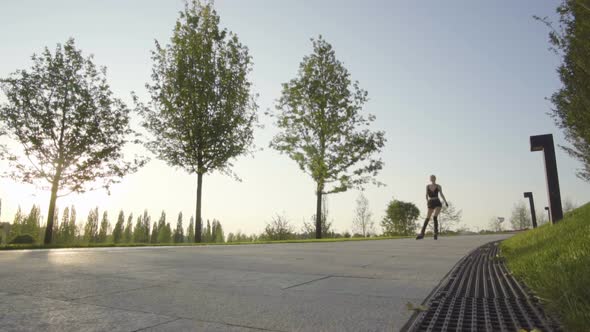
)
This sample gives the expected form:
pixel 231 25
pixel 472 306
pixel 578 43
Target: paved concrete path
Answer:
pixel 343 286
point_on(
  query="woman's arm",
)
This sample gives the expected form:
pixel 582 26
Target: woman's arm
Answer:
pixel 426 193
pixel 442 195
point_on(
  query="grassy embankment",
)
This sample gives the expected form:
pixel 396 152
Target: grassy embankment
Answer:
pixel 554 262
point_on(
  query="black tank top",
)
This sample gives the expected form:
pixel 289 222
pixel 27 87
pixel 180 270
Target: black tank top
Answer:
pixel 432 193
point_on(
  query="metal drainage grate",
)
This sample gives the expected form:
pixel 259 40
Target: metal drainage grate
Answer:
pixel 479 294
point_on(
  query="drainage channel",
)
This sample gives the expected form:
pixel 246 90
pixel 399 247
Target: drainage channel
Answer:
pixel 479 294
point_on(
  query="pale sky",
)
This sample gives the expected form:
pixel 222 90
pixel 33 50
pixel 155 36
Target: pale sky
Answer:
pixel 458 87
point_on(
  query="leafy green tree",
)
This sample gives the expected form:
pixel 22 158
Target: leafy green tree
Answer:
pixel 17 224
pixel 128 233
pixel 520 217
pixel 179 232
pixel 162 236
pixel 165 235
pixel 71 128
pixel 55 231
pixel 32 223
pixel 91 227
pixel 138 231
pixel 118 231
pixel 202 113
pixel 104 228
pixel 217 234
pixel 323 130
pixel 146 222
pixel 154 237
pixel 191 230
pixel 207 232
pixel 400 218
pixel 61 236
pixel 571 41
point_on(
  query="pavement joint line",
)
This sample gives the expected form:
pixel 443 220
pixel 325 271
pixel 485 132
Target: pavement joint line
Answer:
pixel 307 282
pixel 158 324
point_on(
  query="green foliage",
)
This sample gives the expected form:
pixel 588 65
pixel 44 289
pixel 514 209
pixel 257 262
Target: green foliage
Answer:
pixel 91 227
pixel 138 231
pixel 154 236
pixel 118 230
pixel 162 236
pixel 191 230
pixel 104 228
pixel 554 262
pixel 202 112
pixel 521 217
pixel 571 41
pixel 71 128
pixel 178 236
pixel 322 129
pixel 400 218
pixel 23 239
pixel 128 232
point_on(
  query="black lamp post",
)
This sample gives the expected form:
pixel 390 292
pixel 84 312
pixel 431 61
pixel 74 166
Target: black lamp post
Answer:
pixel 532 203
pixel 545 143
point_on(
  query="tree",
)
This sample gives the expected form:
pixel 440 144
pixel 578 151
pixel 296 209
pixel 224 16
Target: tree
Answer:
pixel 202 113
pixel 207 232
pixel 217 235
pixel 521 217
pixel 61 236
pixel 104 228
pixel 163 237
pixel 17 223
pixel 154 237
pixel 145 226
pixel 323 130
pixel 138 231
pixel 91 227
pixel 70 126
pixel 128 233
pixel 55 226
pixel 191 230
pixel 400 218
pixel 118 231
pixel 362 222
pixel 278 228
pixel 309 229
pixel 179 232
pixel 571 112
pixel 495 224
pixel 449 217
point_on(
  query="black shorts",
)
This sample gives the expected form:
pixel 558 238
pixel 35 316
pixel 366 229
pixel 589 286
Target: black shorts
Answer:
pixel 434 203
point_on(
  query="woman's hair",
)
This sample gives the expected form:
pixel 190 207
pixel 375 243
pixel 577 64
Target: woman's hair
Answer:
pixel 433 176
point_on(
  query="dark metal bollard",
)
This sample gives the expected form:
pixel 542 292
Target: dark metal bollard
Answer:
pixel 545 143
pixel 548 213
pixel 532 203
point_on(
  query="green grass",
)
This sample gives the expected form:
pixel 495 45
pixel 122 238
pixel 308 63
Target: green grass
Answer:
pixel 101 245
pixel 554 262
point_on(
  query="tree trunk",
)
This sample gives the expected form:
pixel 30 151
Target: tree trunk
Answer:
pixel 318 213
pixel 51 211
pixel 198 223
